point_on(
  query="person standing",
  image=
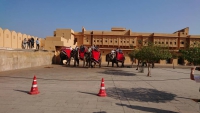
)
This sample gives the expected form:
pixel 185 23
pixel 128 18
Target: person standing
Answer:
pixel 32 42
pixel 76 48
pixel 24 43
pixel 113 51
pixel 29 43
pixel 70 47
pixel 194 77
pixel 37 44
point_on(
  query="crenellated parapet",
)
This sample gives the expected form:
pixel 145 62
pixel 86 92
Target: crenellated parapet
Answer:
pixel 13 39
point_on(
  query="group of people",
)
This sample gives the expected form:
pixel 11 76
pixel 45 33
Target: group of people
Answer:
pixel 82 48
pixel 29 43
pixel 116 50
pixel 94 47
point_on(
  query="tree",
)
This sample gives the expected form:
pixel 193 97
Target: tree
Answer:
pixel 191 54
pixel 152 53
pixel 132 55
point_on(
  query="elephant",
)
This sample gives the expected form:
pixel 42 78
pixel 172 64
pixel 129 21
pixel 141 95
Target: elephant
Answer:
pixel 114 58
pixel 75 56
pixel 93 57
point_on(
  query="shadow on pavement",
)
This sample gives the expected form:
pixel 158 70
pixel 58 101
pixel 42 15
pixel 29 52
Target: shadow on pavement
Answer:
pixel 196 100
pixel 21 91
pixel 88 93
pixel 16 77
pixel 100 112
pixel 147 109
pixel 140 94
pixel 117 72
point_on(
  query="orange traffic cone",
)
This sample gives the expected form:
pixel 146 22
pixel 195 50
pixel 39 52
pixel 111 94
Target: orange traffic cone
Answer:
pixel 34 88
pixel 102 91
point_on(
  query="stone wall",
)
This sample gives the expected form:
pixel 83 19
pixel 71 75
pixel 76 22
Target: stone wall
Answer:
pixel 16 59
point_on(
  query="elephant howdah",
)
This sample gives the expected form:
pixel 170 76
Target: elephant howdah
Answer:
pixel 65 54
pixel 82 52
pixel 120 56
pixel 96 56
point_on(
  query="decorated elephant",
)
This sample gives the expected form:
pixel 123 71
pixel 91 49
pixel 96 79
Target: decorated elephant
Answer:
pixel 115 58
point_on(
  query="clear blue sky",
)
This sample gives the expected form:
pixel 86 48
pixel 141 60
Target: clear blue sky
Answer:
pixel 41 17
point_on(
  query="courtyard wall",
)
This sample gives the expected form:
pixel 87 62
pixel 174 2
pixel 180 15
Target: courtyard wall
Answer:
pixel 15 59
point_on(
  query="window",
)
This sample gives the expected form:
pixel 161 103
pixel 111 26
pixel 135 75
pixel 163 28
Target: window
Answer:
pixel 105 40
pixel 170 42
pixel 111 41
pixel 166 42
pixel 87 40
pixel 182 42
pixel 162 42
pixel 101 40
pixel 132 41
pixel 127 41
pixel 115 41
pixel 121 41
pixel 159 43
pixel 155 42
pixel 186 33
pixel 94 40
pixel 124 41
pixel 175 43
pixel 97 40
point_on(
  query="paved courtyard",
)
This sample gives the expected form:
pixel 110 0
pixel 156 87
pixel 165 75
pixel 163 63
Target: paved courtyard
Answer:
pixel 74 90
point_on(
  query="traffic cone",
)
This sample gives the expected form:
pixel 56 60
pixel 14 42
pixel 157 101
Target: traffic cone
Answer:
pixel 102 91
pixel 34 88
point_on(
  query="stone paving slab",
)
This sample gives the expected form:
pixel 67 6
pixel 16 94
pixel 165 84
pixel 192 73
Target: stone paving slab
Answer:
pixel 74 90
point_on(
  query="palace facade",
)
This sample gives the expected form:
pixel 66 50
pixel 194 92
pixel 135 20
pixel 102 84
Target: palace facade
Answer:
pixel 121 38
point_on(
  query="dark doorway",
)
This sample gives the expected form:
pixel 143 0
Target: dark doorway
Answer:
pixel 168 61
pixel 180 60
pixel 158 61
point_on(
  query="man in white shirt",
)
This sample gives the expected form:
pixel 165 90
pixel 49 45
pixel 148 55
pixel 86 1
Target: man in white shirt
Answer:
pixel 113 51
pixel 89 49
pixel 37 44
pixel 93 47
pixel 76 48
pixel 193 77
pixel 70 48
